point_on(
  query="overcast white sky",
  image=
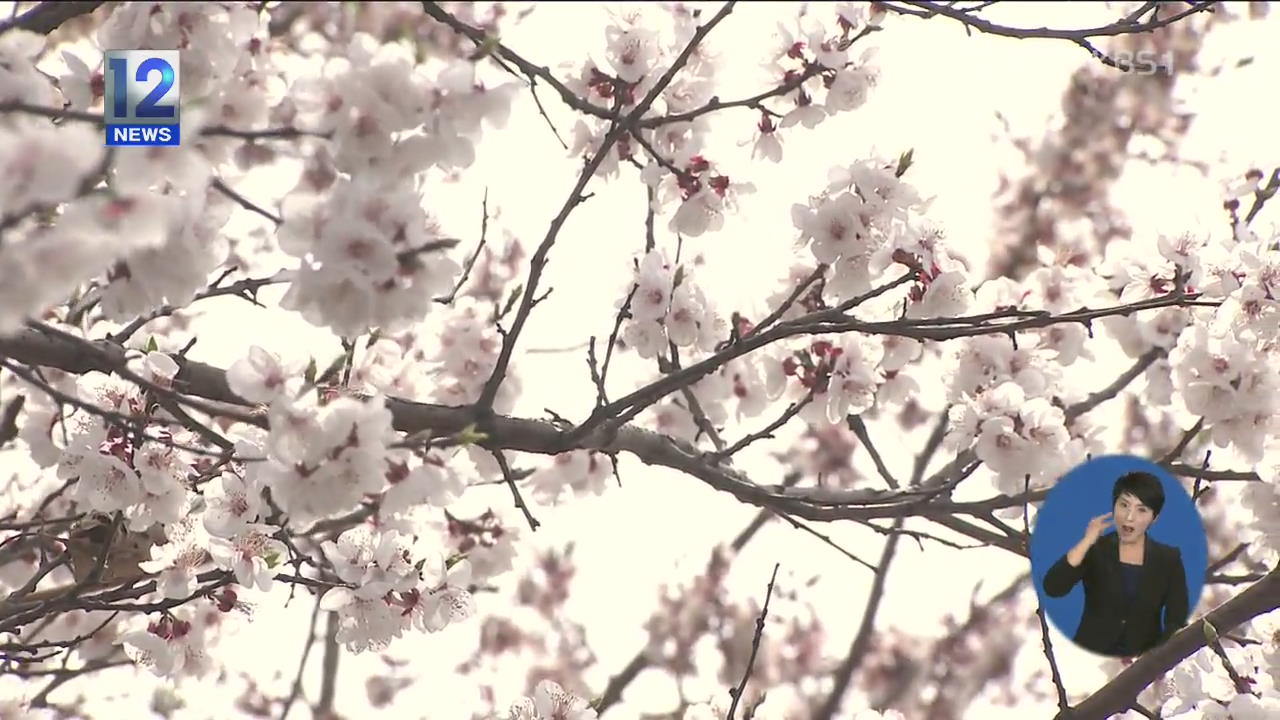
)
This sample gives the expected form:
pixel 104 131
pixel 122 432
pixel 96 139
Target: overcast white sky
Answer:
pixel 938 93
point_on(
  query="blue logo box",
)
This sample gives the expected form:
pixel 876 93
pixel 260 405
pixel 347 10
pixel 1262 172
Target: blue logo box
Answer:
pixel 141 104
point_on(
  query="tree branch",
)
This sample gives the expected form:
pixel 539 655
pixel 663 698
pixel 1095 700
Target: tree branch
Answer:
pixel 1119 694
pixel 48 16
pixel 538 261
pixel 735 694
pixel 861 640
pixel 1124 26
pixel 329 668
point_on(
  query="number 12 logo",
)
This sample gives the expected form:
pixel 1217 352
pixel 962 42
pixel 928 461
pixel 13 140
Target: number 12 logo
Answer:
pixel 142 94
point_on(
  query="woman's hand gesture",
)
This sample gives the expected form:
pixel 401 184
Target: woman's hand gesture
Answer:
pixel 1095 528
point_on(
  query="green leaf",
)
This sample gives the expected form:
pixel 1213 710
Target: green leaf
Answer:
pixel 272 559
pixel 469 435
pixel 152 346
pixel 511 300
pixel 309 375
pixel 1210 633
pixel 904 162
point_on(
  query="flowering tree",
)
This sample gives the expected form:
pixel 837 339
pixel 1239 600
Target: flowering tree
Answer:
pixel 161 504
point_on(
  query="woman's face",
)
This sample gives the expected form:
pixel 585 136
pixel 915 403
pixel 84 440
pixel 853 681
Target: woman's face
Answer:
pixel 1131 517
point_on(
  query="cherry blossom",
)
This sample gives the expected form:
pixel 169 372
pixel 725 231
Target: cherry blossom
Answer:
pixel 375 563
pixel 654 280
pixel 251 554
pixel 323 459
pixel 261 376
pixel 552 702
pixel 162 472
pixel 104 480
pixel 19 79
pixel 1262 500
pixel 178 561
pixel 464 360
pixel 433 482
pixel 232 504
pixel 174 645
pixel 445 599
pixel 632 51
pixel 850 89
pixel 383 114
pixel 767 144
pixel 704 210
pixel 368 258
pixel 580 472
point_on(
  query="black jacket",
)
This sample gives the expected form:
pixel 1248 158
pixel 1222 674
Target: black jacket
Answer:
pixel 1110 625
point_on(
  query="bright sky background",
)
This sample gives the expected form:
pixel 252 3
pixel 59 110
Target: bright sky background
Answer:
pixel 938 93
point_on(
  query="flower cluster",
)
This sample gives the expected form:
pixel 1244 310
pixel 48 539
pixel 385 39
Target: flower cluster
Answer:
pixel 581 472
pixel 323 457
pixel 114 469
pixel 370 257
pixel 860 225
pixel 638 56
pixel 668 307
pixel 705 194
pixel 394 118
pixel 156 232
pixel 176 644
pixel 551 702
pixel 1225 381
pixel 465 358
pixel 816 60
pixel 392 588
pixel 1218 365
pixel 842 379
pixel 1200 687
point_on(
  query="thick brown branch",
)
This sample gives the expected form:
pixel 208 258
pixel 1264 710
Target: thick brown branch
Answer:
pixel 329 668
pixel 1119 694
pixel 48 16
pixel 542 437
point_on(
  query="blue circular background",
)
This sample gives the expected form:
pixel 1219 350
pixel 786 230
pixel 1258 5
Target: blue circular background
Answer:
pixel 1084 493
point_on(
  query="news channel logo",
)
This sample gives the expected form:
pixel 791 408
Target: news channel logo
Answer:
pixel 141 101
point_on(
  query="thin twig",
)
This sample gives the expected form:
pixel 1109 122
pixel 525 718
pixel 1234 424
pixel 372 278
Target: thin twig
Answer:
pixel 245 202
pixel 859 429
pixel 295 691
pixel 825 539
pixel 509 477
pixel 1187 437
pixel 1046 644
pixel 466 270
pixel 862 639
pixel 792 410
pixel 735 694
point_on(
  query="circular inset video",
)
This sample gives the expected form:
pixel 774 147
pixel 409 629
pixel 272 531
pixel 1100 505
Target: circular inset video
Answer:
pixel 1118 555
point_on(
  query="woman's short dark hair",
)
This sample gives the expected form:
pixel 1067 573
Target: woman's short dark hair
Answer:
pixel 1142 485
